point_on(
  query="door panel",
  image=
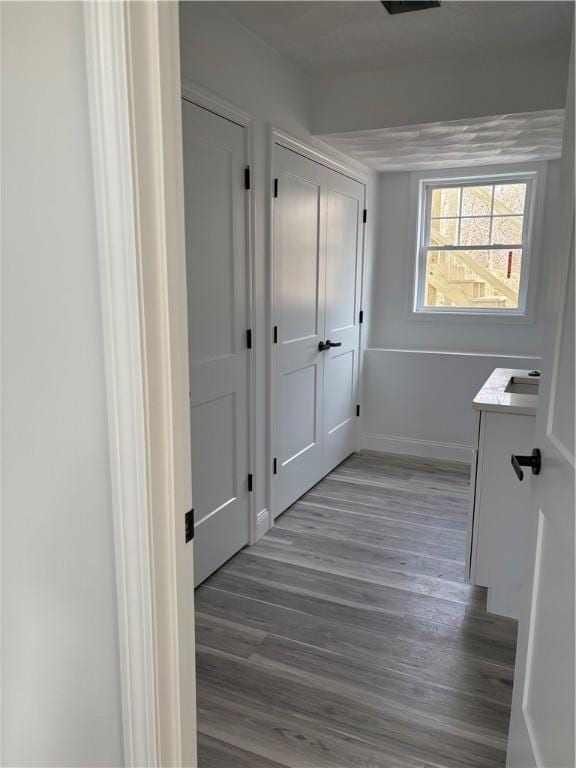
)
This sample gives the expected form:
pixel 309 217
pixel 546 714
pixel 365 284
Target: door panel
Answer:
pixel 299 245
pixel 543 707
pixel 299 390
pixel 318 235
pixel 345 199
pixel 215 421
pixel 213 306
pixel 214 161
pixel 562 405
pixel 300 290
pixel 339 400
pixel 343 255
pixel 542 729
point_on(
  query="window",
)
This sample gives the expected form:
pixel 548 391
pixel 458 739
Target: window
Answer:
pixel 473 249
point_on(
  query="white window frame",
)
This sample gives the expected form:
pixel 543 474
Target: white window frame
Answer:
pixel 420 201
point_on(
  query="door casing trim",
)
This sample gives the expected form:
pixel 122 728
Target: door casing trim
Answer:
pixel 133 83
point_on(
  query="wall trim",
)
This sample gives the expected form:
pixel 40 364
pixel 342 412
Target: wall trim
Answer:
pixel 456 354
pixel 263 523
pixel 423 448
pixel 318 156
pixel 204 98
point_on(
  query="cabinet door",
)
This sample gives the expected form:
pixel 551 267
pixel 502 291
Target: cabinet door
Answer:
pixel 469 567
pixel 501 503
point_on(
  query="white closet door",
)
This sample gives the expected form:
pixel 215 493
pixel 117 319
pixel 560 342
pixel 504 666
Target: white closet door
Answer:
pixel 214 162
pixel 318 236
pixel 299 248
pixel 345 205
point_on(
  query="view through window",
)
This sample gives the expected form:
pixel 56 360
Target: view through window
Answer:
pixel 474 243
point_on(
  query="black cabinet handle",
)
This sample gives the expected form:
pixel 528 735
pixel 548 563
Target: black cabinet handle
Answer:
pixel 534 461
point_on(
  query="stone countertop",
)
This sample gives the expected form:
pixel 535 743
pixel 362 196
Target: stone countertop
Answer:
pixel 493 397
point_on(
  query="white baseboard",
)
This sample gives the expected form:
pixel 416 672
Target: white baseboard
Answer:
pixel 263 523
pixel 425 448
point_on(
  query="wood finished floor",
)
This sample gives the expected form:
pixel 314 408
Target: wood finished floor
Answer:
pixel 347 636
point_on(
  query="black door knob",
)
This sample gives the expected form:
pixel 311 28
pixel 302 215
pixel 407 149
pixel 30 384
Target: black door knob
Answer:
pixel 534 461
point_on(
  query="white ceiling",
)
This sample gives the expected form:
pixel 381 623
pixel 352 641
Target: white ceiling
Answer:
pixel 333 38
pixel 483 141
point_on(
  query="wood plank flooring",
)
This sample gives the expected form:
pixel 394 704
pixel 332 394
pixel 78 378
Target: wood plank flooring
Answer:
pixel 347 637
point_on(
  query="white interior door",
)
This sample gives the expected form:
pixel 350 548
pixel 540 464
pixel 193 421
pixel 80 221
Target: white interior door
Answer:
pixel 345 205
pixel 299 264
pixel 318 243
pixel 215 198
pixel 542 721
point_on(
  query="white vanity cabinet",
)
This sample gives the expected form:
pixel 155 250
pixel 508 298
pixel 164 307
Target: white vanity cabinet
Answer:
pixel 505 417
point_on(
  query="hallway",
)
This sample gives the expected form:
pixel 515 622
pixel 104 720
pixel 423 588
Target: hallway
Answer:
pixel 348 637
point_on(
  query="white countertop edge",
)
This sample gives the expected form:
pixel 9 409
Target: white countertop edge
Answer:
pixel 492 396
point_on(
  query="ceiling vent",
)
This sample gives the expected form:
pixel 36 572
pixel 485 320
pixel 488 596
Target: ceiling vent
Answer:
pixel 410 5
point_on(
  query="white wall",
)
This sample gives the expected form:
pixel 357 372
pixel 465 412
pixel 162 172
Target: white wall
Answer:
pixel 442 90
pixel 60 686
pixel 421 375
pixel 220 55
pixel 420 403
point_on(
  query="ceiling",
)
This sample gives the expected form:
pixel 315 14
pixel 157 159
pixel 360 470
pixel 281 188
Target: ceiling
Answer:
pixel 325 39
pixel 516 138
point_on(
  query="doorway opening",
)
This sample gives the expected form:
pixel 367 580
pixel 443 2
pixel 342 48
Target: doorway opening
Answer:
pixel 395 270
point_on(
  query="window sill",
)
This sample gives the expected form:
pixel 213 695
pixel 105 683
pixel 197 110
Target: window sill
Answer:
pixel 498 318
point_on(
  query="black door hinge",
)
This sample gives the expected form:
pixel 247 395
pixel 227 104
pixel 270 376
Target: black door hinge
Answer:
pixel 275 334
pixel 357 410
pixel 250 483
pixel 275 187
pixel 365 216
pixel 361 316
pixel 247 178
pixel 189 525
pixel 249 338
pixel 275 466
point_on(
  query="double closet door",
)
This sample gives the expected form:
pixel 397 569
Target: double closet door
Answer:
pixel 317 266
pixel 216 211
